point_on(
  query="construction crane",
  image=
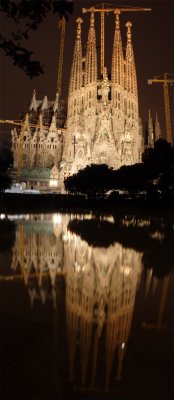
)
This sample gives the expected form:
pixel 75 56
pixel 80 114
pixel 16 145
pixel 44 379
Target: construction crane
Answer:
pixel 117 10
pixel 62 26
pixel 165 80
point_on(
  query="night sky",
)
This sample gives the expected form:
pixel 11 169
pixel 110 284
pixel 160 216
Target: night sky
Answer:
pixel 153 43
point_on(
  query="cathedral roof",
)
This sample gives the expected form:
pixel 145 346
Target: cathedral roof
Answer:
pixel 37 172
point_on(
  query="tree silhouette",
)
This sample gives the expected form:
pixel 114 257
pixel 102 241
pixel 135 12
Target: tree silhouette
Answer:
pixel 6 160
pixel 94 179
pixel 30 14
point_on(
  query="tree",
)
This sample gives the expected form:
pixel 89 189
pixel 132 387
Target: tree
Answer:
pixel 161 158
pixel 30 13
pixel 6 156
pixel 94 179
pixel 132 177
pixel 158 165
pixel 161 161
pixel 5 181
pixel 6 160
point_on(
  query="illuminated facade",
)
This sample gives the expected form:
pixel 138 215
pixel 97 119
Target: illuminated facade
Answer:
pixel 102 125
pixel 101 285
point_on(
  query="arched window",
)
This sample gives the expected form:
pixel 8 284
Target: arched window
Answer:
pixel 50 160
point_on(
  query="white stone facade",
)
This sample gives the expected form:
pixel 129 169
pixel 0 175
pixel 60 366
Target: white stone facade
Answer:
pixel 102 124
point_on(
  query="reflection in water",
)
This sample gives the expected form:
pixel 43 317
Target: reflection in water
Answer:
pixel 101 284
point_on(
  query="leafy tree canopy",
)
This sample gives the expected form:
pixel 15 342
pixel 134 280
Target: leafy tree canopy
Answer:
pixel 92 179
pixel 31 13
pixel 161 157
pixel 6 160
pixel 5 181
pixel 6 156
pixel 157 163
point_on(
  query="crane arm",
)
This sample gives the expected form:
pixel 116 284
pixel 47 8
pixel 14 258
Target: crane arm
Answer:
pixel 61 52
pixel 121 9
pixel 9 121
pixel 150 81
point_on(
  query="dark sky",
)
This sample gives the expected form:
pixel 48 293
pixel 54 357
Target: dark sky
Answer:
pixel 153 42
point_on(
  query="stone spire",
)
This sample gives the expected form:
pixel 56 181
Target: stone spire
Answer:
pixel 117 54
pixel 76 69
pixel 33 104
pixel 56 103
pixel 130 71
pixel 53 123
pixel 91 55
pixel 44 103
pixel 158 134
pixel 150 131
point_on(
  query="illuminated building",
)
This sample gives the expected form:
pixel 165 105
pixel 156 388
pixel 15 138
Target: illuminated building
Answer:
pixel 102 125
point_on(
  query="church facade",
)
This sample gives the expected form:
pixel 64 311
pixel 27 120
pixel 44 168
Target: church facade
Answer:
pixel 101 124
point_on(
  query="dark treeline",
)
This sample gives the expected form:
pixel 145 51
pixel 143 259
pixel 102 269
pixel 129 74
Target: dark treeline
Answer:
pixel 154 176
pixel 6 161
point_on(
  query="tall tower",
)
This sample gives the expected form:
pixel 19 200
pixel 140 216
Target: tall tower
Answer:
pixel 103 124
pixel 158 134
pixel 150 131
pixel 74 98
pixel 131 146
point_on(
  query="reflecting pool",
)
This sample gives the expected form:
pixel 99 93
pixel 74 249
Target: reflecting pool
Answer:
pixel 87 306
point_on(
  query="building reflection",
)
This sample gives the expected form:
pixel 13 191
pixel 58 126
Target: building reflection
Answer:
pixel 101 285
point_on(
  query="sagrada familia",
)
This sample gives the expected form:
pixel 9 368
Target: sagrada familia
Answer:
pixel 100 125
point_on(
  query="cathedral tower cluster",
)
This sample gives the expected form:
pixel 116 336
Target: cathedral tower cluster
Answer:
pixel 103 119
pixel 101 124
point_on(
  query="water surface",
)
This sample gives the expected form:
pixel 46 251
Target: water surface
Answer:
pixel 87 306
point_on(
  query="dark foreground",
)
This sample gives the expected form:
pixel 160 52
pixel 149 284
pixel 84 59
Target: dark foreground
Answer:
pixel 16 203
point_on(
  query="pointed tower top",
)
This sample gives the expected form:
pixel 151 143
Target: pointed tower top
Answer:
pixel 56 103
pixel 158 134
pixel 92 18
pixel 33 104
pixel 79 22
pixel 44 103
pixel 26 118
pixel 150 131
pixel 91 54
pixel 117 19
pixel 53 123
pixel 129 34
pixel 117 54
pixel 130 70
pixel 76 68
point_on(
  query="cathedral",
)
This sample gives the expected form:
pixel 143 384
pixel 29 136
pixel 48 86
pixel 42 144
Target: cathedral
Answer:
pixel 99 125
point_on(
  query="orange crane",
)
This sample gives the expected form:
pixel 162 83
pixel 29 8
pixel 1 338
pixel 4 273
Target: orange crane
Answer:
pixel 102 11
pixel 165 80
pixel 62 26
